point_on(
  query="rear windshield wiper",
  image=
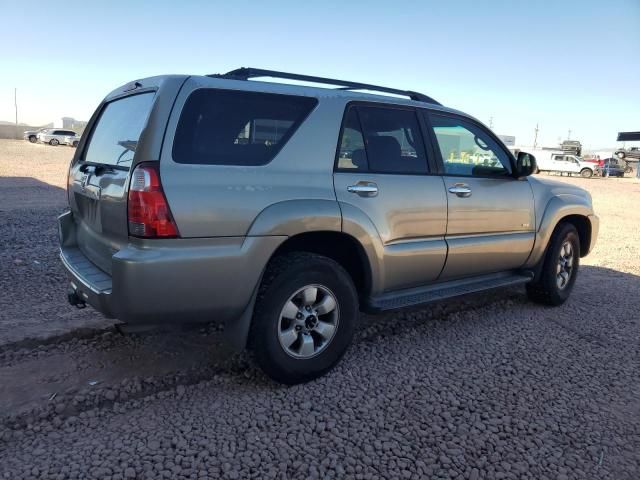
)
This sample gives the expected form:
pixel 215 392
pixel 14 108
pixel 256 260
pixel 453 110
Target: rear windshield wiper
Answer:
pixel 129 146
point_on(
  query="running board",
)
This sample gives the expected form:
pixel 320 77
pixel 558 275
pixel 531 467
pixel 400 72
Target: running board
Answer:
pixel 440 291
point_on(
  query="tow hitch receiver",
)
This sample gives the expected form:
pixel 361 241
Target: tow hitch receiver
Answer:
pixel 74 299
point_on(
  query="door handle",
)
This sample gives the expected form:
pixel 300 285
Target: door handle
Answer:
pixel 364 189
pixel 460 189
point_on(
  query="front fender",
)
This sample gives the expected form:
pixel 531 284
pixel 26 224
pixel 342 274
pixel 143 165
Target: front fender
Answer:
pixel 557 208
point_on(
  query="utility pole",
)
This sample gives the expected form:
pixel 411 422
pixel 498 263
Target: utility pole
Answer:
pixel 535 138
pixel 569 135
pixel 15 103
pixel 491 122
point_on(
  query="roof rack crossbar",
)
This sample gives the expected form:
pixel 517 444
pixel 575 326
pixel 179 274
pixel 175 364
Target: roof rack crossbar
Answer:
pixel 247 73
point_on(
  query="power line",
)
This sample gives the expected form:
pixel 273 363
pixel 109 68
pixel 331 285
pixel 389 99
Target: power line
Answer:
pixel 15 103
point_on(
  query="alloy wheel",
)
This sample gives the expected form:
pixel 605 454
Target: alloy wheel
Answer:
pixel 308 321
pixel 564 268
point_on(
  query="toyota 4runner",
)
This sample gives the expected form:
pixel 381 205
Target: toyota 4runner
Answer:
pixel 282 210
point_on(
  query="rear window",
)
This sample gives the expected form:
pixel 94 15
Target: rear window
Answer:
pixel 115 137
pixel 224 127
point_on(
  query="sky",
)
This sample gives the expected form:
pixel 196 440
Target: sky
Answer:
pixel 562 65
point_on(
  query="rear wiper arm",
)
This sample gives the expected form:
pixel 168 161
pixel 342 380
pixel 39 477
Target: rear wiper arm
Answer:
pixel 129 146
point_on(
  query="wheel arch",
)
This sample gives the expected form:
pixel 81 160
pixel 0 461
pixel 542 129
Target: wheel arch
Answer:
pixel 574 209
pixel 339 246
pixel 583 226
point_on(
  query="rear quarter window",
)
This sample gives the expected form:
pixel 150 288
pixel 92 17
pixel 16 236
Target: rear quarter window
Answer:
pixel 228 127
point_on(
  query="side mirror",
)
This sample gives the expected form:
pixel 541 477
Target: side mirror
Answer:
pixel 525 165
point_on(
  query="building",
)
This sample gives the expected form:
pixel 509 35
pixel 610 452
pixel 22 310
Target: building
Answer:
pixel 508 140
pixel 71 124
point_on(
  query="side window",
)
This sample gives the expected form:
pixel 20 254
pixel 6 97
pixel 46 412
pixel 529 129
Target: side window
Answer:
pixel 393 140
pixel 558 158
pixel 352 154
pixel 467 149
pixel 228 127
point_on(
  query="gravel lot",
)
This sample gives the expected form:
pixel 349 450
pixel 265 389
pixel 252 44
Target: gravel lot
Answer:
pixel 489 387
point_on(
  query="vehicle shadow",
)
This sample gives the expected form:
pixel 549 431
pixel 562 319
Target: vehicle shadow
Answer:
pixel 602 306
pixel 30 193
pixel 104 365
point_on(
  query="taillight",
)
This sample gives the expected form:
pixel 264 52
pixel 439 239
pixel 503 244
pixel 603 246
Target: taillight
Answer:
pixel 148 210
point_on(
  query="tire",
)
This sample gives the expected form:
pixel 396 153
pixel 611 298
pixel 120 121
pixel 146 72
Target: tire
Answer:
pixel 586 173
pixel 547 288
pixel 33 139
pixel 281 342
pixel 75 144
pixel 53 142
pixel 620 154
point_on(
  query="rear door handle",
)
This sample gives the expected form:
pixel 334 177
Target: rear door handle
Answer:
pixel 364 189
pixel 461 190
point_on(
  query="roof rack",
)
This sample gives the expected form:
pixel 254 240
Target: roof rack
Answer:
pixel 247 73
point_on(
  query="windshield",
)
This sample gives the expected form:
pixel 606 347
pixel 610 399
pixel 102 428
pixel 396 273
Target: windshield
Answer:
pixel 115 137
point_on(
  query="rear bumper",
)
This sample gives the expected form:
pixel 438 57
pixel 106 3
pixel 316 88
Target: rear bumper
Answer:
pixel 170 281
pixel 91 284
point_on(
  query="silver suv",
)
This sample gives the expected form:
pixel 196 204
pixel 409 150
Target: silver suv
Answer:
pixel 281 211
pixel 55 136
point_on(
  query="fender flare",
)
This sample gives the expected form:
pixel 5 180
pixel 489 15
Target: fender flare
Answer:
pixel 557 208
pixel 291 217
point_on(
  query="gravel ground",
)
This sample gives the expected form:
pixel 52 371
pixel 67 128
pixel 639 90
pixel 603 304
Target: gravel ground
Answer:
pixel 489 386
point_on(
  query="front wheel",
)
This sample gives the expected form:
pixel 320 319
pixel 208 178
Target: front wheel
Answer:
pixel 558 275
pixel 304 318
pixel 620 155
pixel 53 142
pixel 33 139
pixel 586 173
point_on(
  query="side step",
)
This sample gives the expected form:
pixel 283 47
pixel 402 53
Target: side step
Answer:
pixel 440 291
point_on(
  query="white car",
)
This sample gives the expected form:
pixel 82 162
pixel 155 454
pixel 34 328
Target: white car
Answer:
pixel 55 136
pixel 72 140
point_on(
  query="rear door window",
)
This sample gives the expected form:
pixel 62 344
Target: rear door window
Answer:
pixel 352 154
pixel 115 136
pixel 226 127
pixel 382 140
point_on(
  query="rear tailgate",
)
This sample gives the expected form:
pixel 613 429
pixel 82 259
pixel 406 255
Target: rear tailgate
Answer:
pixel 123 132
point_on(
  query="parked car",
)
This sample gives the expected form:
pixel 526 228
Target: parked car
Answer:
pixel 631 154
pixel 555 161
pixel 218 198
pixel 54 136
pixel 593 159
pixel 72 140
pixel 571 146
pixel 32 135
pixel 614 166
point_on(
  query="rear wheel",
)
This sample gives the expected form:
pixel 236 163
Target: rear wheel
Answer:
pixel 304 318
pixel 54 142
pixel 558 275
pixel 75 144
pixel 586 173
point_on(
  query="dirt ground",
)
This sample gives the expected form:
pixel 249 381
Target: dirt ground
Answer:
pixel 489 386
